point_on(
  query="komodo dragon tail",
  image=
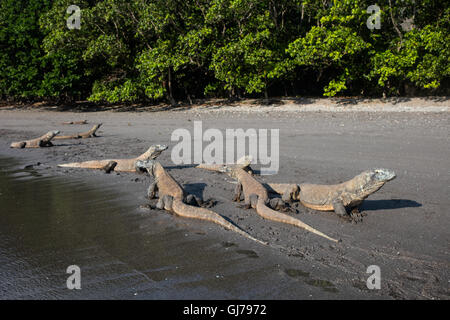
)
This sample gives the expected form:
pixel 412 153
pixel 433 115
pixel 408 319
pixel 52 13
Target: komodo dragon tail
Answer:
pixel 270 214
pixel 184 210
pixel 91 164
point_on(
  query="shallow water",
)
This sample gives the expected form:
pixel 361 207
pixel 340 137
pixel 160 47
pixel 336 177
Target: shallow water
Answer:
pixel 49 223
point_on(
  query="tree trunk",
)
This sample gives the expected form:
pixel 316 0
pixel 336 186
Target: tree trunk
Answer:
pixel 188 95
pixel 169 86
pixel 266 95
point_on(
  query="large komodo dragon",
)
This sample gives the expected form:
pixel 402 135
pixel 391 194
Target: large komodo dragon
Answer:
pixel 43 141
pixel 83 135
pixel 256 196
pixel 337 197
pixel 172 197
pixel 127 165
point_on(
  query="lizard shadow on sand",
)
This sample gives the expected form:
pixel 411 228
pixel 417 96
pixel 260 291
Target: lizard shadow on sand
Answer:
pixel 64 144
pixel 373 205
pixel 195 188
pixel 184 166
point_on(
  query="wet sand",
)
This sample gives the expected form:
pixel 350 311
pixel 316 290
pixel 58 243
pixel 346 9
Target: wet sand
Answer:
pixel 127 252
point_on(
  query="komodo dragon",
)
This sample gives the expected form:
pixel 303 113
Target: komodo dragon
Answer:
pixel 337 197
pixel 172 197
pixel 43 141
pixel 76 122
pixel 84 135
pixel 127 165
pixel 243 162
pixel 256 196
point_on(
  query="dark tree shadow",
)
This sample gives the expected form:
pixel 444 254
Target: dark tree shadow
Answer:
pixel 397 100
pixel 302 100
pixel 373 205
pixel 438 98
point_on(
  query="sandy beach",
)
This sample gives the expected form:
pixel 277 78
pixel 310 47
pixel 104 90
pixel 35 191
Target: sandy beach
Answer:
pixel 405 232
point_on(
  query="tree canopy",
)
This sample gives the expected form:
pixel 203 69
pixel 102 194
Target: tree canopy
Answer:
pixel 153 50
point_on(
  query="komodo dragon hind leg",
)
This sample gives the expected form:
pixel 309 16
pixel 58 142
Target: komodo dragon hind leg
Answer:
pixel 110 166
pixel 45 143
pixel 253 200
pixel 278 204
pixel 287 196
pixel 165 203
pixel 160 204
pixel 195 201
pixel 249 202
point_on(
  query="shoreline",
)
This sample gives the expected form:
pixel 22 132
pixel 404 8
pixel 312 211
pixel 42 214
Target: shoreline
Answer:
pixel 279 105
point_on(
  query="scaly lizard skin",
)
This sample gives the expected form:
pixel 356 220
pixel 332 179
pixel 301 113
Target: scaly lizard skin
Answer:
pixel 243 163
pixel 172 197
pixel 43 141
pixel 84 135
pixel 127 165
pixel 256 196
pixel 337 197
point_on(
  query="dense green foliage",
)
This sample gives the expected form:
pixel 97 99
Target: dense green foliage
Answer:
pixel 151 50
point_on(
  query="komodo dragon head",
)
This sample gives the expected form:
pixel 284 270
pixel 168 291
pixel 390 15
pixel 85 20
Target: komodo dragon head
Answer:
pixel 372 180
pixel 52 133
pixel 155 150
